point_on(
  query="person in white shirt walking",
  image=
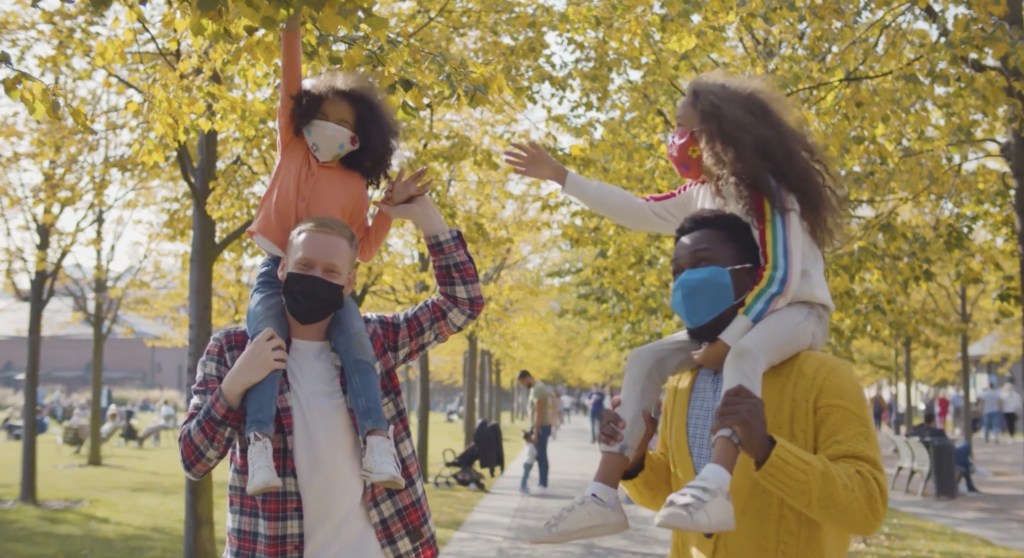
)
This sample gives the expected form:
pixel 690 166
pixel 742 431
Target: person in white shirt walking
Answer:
pixel 1013 409
pixel 991 412
pixel 567 403
pixel 956 401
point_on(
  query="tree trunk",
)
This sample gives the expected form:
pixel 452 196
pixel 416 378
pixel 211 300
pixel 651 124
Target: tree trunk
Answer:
pixel 35 338
pixel 514 397
pixel 423 408
pixel 496 396
pixel 99 291
pixel 908 420
pixel 95 412
pixel 894 409
pixel 481 385
pixel 469 390
pixel 423 413
pixel 1016 160
pixel 965 368
pixel 199 540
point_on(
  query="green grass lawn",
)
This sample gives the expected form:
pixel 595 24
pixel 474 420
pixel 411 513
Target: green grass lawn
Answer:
pixel 904 535
pixel 136 500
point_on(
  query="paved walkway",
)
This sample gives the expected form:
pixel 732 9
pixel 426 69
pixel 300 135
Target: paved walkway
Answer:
pixel 497 525
pixel 997 515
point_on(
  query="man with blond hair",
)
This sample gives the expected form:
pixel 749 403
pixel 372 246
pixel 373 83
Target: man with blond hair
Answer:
pixel 323 508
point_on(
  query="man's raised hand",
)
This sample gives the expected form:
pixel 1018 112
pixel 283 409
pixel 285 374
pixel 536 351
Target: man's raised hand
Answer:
pixel 421 211
pixel 403 188
pixel 532 161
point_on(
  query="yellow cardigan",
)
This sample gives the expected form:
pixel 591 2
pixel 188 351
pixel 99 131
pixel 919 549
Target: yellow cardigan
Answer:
pixel 823 482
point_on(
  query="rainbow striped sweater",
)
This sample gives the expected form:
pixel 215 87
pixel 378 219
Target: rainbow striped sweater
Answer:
pixel 792 267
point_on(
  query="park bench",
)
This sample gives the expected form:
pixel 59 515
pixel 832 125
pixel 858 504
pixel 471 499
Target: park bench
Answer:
pixel 914 457
pixel 921 463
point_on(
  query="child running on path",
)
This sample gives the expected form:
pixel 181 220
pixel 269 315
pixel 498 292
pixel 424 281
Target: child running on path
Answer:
pixel 740 149
pixel 335 139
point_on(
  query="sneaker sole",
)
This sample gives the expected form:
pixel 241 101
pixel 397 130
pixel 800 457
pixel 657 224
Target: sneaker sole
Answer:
pixel 591 532
pixel 681 521
pixel 385 481
pixel 264 487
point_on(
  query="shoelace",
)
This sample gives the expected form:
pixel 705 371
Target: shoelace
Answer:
pixel 389 456
pixel 562 513
pixel 263 450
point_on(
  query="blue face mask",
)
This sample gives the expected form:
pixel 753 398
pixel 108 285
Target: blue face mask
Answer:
pixel 699 295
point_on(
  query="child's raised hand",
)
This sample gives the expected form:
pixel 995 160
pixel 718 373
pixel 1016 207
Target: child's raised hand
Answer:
pixel 404 188
pixel 533 161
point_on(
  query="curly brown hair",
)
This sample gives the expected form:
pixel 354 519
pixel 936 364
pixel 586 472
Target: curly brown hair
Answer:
pixel 750 134
pixel 376 125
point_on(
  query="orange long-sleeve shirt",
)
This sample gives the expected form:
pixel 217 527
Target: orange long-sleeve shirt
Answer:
pixel 302 186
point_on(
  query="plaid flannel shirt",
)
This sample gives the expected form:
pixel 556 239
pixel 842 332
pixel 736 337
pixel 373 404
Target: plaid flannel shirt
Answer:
pixel 270 524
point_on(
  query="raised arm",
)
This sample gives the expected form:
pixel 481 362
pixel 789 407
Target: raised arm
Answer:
pixel 373 236
pixel 782 238
pixel 291 79
pixel 405 335
pixel 657 214
pixel 842 483
pixel 660 213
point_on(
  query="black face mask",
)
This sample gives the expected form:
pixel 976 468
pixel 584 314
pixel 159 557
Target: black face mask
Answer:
pixel 311 299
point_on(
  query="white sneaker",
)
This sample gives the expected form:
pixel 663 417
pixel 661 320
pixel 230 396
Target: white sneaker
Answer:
pixel 262 475
pixel 380 465
pixel 539 491
pixel 586 518
pixel 700 507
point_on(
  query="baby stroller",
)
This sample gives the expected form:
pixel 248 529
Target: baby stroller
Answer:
pixel 460 470
pixel 460 467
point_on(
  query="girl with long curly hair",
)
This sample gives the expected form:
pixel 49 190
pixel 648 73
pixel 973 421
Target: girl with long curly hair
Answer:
pixel 740 147
pixel 336 136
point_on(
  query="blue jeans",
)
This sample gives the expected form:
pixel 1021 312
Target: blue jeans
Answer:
pixel 542 454
pixel 527 467
pixel 993 422
pixel 595 426
pixel 962 460
pixel 349 338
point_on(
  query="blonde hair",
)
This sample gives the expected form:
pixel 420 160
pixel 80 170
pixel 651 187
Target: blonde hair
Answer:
pixel 329 226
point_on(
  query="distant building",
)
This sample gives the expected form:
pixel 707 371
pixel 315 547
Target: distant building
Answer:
pixel 66 356
pixel 994 370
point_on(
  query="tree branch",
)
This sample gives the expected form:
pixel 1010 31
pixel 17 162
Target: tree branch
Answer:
pixel 973 64
pixel 188 170
pixel 429 20
pixel 124 82
pixel 111 318
pixel 494 273
pixel 853 79
pixel 54 274
pixel 230 238
pixel 157 44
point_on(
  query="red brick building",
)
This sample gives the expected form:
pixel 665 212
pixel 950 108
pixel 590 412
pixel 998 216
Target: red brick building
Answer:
pixel 129 357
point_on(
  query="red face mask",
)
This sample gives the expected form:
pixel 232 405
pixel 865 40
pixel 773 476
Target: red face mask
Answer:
pixel 684 154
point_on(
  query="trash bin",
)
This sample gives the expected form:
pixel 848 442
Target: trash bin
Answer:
pixel 943 469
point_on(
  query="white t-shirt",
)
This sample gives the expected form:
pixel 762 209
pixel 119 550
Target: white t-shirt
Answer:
pixel 327 458
pixel 1012 402
pixel 567 402
pixel 990 400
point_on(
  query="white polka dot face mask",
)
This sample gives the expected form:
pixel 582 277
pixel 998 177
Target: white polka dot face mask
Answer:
pixel 328 141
